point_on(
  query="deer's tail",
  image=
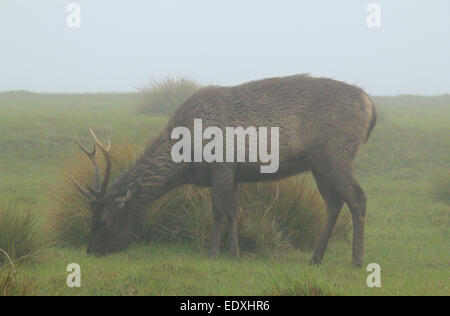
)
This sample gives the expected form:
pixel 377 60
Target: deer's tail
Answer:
pixel 371 114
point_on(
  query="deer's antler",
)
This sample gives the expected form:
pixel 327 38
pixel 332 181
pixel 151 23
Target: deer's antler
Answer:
pixel 96 192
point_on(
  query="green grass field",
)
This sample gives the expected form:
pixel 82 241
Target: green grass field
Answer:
pixel 407 231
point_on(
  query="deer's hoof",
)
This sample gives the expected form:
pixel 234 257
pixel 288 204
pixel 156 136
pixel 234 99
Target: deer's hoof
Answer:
pixel 315 262
pixel 357 265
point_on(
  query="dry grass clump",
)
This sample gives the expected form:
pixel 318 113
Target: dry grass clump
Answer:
pixel 18 234
pixel 163 97
pixel 279 215
pixel 11 284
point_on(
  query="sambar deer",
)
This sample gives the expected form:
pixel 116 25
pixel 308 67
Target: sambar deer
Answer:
pixel 322 123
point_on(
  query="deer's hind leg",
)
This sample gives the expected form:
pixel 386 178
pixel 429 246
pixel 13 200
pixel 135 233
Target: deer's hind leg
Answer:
pixel 335 167
pixel 334 204
pixel 351 192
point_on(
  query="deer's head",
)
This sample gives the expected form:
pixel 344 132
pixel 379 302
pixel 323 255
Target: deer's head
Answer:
pixel 110 225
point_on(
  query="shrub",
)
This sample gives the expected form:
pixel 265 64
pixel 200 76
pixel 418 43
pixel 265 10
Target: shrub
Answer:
pixel 163 97
pixel 18 234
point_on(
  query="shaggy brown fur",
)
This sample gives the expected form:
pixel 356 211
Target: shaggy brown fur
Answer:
pixel 322 123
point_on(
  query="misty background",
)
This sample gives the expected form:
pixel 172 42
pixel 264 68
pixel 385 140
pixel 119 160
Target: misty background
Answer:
pixel 121 45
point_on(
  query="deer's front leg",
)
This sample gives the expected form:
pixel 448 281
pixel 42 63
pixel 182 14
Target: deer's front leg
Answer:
pixel 224 194
pixel 232 213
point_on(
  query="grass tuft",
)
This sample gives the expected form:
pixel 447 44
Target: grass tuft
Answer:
pixel 163 97
pixel 12 284
pixel 307 282
pixel 298 288
pixel 19 239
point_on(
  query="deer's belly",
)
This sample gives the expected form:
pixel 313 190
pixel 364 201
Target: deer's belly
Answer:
pixel 252 172
pixel 249 172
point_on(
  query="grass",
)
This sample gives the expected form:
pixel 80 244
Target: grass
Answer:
pixel 12 284
pixel 302 284
pixel 406 231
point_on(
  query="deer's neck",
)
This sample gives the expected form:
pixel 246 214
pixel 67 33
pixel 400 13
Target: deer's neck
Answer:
pixel 154 173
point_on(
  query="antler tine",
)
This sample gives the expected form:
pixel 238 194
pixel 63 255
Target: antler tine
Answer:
pixel 92 191
pixel 106 154
pixel 91 156
pixel 87 152
pixel 99 143
pixel 82 190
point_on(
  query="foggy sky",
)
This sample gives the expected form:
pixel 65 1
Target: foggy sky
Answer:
pixel 122 45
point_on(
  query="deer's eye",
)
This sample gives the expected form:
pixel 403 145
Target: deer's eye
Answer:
pixel 121 201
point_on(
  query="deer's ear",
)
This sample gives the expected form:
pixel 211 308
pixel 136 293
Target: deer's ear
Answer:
pixel 123 199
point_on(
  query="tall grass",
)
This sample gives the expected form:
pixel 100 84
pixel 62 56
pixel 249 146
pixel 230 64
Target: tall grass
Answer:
pixel 293 203
pixel 185 215
pixel 12 284
pixel 18 234
pixel 163 97
pixel 272 216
